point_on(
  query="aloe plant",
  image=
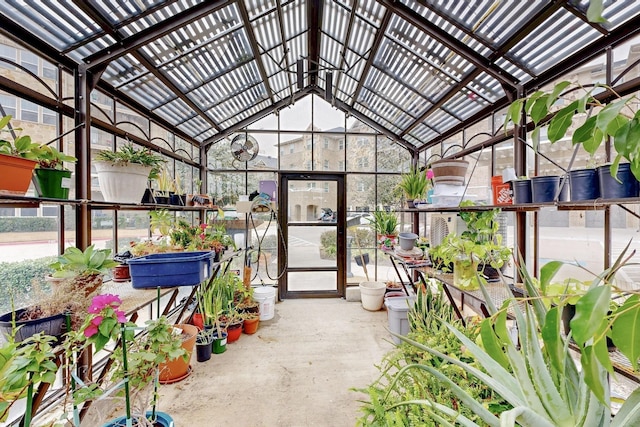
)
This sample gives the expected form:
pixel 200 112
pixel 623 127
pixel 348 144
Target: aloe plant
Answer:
pixel 414 184
pixel 384 222
pixel 537 374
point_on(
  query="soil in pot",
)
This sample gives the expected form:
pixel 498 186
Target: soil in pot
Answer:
pixel 29 321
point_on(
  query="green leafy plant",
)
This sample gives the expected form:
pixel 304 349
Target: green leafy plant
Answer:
pixel 75 262
pixel 22 367
pixel 414 184
pixel 617 119
pixel 537 373
pixel 383 222
pixel 129 154
pixel 50 158
pixel 19 146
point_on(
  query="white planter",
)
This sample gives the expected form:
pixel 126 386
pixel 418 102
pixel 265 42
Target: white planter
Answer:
pixel 124 183
pixel 372 295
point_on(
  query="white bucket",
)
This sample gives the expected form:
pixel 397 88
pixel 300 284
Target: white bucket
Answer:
pixel 266 296
pixel 372 295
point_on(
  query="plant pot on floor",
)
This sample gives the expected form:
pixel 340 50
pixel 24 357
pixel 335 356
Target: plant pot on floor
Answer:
pixel 250 325
pixel 16 174
pixel 162 420
pixel 179 369
pixel 52 183
pixel 234 331
pixel 372 295
pixel 219 345
pixel 203 349
pixel 124 183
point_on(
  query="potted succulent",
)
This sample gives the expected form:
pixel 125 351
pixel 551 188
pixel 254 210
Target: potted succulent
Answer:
pixel 123 174
pixel 165 187
pixel 18 158
pixel 415 185
pixel 86 268
pixel 52 178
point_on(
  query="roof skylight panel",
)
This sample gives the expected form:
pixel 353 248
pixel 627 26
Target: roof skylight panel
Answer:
pixel 259 7
pixel 335 21
pixel 295 18
pixel 267 32
pixel 372 11
pixel 362 37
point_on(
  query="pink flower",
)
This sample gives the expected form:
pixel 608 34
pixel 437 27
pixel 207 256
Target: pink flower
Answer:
pixel 90 331
pixel 99 302
pixel 429 174
pixel 122 318
pixel 203 227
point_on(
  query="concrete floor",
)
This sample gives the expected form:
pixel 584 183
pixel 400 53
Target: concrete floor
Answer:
pixel 296 371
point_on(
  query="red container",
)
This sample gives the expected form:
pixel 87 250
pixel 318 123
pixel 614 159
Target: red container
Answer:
pixel 501 191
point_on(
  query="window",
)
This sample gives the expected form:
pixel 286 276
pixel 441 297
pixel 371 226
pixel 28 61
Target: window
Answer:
pixel 29 61
pixel 363 162
pixel 7 212
pixel 309 144
pixel 363 141
pixel 291 149
pixel 282 152
pixel 326 143
pixel 311 185
pixel 308 165
pixel 49 211
pixel 9 53
pixel 361 186
pixel 341 165
pixel 325 165
pixel 48 117
pixel 49 71
pixel 326 187
pixel 29 212
pixel 8 103
pixel 28 111
pixel 341 144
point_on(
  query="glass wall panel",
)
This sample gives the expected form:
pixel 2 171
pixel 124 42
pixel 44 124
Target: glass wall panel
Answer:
pixel 131 121
pixel 391 157
pixel 361 194
pixel 388 193
pixel 226 187
pixel 298 117
pixel 361 153
pixel 295 152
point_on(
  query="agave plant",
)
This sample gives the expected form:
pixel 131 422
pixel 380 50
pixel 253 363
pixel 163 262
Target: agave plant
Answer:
pixel 536 373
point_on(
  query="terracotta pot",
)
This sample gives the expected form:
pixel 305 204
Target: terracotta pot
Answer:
pixel 234 331
pixel 250 326
pixel 449 171
pixel 198 321
pixel 179 369
pixel 16 174
pixel 121 272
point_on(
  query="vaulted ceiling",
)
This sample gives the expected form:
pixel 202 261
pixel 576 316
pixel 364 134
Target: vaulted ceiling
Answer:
pixel 417 71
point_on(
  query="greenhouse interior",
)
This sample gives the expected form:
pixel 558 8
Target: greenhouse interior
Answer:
pixel 319 213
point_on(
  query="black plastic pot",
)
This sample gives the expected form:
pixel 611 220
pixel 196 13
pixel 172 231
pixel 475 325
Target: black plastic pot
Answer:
pixel 178 199
pixel 584 184
pixel 612 189
pixel 361 259
pixel 52 325
pixel 544 188
pixel 203 351
pixel 568 311
pixel 521 191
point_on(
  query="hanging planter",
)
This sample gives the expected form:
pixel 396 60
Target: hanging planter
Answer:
pixel 16 174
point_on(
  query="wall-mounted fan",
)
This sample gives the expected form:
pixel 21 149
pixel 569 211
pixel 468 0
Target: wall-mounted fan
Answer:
pixel 244 147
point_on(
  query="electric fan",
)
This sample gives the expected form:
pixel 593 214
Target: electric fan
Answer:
pixel 244 147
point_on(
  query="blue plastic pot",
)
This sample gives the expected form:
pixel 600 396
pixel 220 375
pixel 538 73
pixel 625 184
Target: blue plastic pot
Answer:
pixel 162 419
pixel 612 189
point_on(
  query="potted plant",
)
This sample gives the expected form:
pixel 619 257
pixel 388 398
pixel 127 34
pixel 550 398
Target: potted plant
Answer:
pixel 385 225
pixel 18 158
pixel 536 372
pixel 23 366
pixel 602 121
pixel 479 248
pixel 86 268
pixel 179 197
pixel 123 174
pixel 52 178
pixel 414 185
pixel 137 359
pixel 165 187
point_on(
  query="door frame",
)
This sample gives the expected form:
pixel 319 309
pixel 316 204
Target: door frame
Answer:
pixel 341 241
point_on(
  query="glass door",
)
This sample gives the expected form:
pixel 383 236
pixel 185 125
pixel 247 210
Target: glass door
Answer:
pixel 312 218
